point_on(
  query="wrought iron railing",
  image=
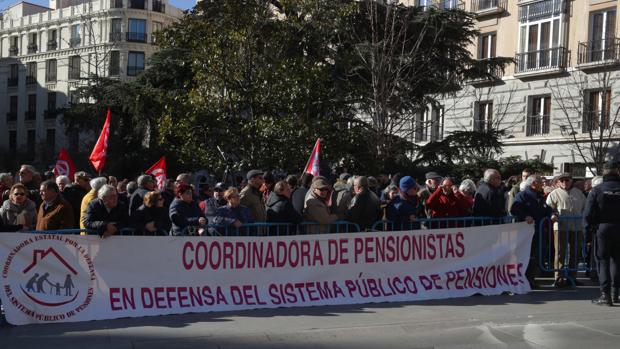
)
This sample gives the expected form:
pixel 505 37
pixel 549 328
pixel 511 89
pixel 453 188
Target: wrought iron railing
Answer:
pixel 537 125
pixel 594 51
pixel 486 5
pixel 136 37
pixel 540 60
pixel 541 9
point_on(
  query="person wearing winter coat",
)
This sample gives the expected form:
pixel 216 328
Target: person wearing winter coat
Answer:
pixel 489 200
pixel 406 208
pixel 280 210
pixel 18 210
pixel 151 218
pixel 447 201
pixel 106 215
pixel 231 217
pixel 316 208
pixel 185 213
pixel 364 208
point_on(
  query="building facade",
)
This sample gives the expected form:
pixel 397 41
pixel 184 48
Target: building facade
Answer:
pixel 560 100
pixel 46 53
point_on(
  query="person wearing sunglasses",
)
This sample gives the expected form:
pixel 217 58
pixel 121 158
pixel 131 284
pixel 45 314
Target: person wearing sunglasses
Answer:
pixel 18 210
pixel 317 206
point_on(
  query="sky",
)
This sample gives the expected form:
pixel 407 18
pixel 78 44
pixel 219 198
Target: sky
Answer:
pixel 182 4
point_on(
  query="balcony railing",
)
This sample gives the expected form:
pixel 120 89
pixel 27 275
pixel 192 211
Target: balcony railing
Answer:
pixel 116 4
pixel 116 37
pixel 488 6
pixel 136 37
pixel 159 6
pixel 541 60
pixel 12 82
pixel 31 80
pixel 51 77
pixel 30 115
pixel 134 70
pixel 13 51
pixel 599 51
pixel 74 74
pixel 52 45
pixel 32 48
pixel 75 41
pixel 536 10
pixel 537 125
pixel 50 114
pixel 485 73
pixel 11 116
pixel 594 121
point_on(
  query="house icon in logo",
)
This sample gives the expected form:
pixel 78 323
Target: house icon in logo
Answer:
pixel 39 255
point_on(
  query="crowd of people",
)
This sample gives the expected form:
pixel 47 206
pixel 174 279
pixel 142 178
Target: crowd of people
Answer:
pixel 106 206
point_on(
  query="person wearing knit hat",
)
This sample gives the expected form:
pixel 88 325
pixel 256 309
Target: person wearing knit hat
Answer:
pixel 406 208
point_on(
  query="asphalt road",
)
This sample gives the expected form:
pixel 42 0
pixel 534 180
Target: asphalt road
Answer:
pixel 542 319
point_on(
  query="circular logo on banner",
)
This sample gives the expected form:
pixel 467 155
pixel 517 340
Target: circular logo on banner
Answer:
pixel 62 168
pixel 49 277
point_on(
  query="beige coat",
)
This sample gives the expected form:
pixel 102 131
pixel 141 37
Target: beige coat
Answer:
pixel 316 210
pixel 253 200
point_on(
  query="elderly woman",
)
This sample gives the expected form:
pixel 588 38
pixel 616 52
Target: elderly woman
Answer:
pixel 233 214
pixel 18 210
pixel 62 181
pixel 151 218
pixel 185 213
pixel 6 182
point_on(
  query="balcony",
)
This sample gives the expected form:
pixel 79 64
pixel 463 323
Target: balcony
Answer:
pixel 537 125
pixel 116 4
pixel 159 6
pixel 11 116
pixel 75 42
pixel 13 51
pixel 50 114
pixel 116 37
pixel 488 7
pixel 485 74
pixel 541 62
pixel 134 70
pixel 30 115
pixel 52 45
pixel 31 80
pixel 531 11
pixel 598 53
pixel 32 48
pixel 12 82
pixel 136 37
pixel 50 77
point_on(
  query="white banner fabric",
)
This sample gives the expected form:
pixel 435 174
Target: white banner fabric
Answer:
pixel 66 278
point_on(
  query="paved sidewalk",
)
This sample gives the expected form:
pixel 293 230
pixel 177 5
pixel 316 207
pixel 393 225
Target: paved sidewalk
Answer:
pixel 541 319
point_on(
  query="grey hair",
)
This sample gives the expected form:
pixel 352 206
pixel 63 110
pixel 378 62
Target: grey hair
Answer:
pixel 489 173
pixel 30 168
pixel 531 179
pixel 596 181
pixel 105 190
pixel 467 185
pixel 279 187
pixel 5 175
pixel 97 183
pixel 62 179
pixel 143 180
pixel 361 181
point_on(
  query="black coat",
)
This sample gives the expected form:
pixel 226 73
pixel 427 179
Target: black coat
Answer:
pixel 144 215
pixel 97 216
pixel 74 194
pixel 364 209
pixel 183 215
pixel 603 207
pixel 489 201
pixel 280 210
pixel 137 199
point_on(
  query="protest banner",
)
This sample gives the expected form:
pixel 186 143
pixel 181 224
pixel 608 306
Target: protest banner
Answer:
pixel 64 278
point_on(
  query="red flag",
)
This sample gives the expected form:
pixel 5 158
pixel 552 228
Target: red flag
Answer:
pixel 98 156
pixel 313 163
pixel 64 165
pixel 159 172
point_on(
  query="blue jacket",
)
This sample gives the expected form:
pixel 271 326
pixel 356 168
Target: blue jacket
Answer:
pixel 399 211
pixel 183 215
pixel 227 215
pixel 530 203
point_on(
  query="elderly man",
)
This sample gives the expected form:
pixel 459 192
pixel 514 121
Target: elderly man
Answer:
pixel 252 198
pixel 566 201
pixel 55 212
pixel 365 207
pixel 433 180
pixel 405 209
pixel 299 195
pixel 603 210
pixel 146 183
pixel 95 185
pixel 316 208
pixel 27 177
pixel 489 200
pixel 106 215
pixel 530 206
pixel 280 209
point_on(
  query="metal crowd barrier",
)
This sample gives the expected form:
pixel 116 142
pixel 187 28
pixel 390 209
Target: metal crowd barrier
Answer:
pixel 562 248
pixel 440 223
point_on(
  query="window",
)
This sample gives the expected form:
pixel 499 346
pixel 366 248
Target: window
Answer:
pixel 75 36
pixel 50 139
pixel 115 63
pixel 486 45
pixel 13 79
pixel 596 115
pixel 137 30
pixel 602 35
pixel 541 34
pixel 157 26
pixel 52 42
pixel 428 123
pixel 13 140
pixel 135 63
pixel 539 116
pixel 12 114
pixel 116 3
pixel 116 30
pixel 31 142
pixel 50 70
pixel 14 47
pixel 74 68
pixel 159 6
pixel 32 43
pixel 139 4
pixel 31 112
pixel 51 103
pixel 484 116
pixel 31 73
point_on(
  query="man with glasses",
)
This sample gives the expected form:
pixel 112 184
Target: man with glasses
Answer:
pixel 55 212
pixel 568 202
pixel 316 208
pixel 252 198
pixel 27 177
